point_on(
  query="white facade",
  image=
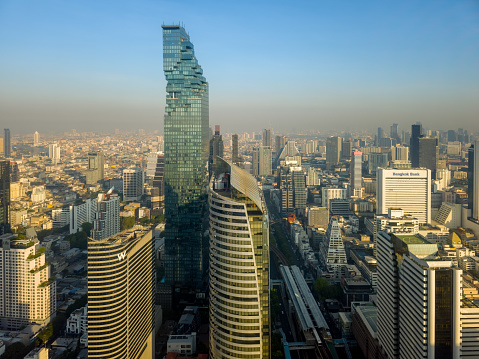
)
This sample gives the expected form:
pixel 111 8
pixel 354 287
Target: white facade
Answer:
pixel 38 194
pixel 449 215
pixel 82 213
pixel 77 323
pixel 182 344
pixel 107 216
pixel 36 139
pixel 27 292
pixel 409 190
pixel 332 252
pixel 332 193
pixel 356 174
pixel 132 184
pixel 60 217
pixel 54 152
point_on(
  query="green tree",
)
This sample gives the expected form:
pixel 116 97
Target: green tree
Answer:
pixel 321 286
pixel 275 307
pixel 127 222
pixel 87 227
pixel 46 333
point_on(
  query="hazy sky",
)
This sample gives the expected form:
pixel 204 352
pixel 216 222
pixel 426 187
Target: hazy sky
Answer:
pixel 97 64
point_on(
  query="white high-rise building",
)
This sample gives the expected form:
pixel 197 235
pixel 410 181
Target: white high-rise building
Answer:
pixel 332 251
pixel 329 193
pixel 36 139
pixel 107 216
pixel 132 184
pixel 54 152
pixel 356 174
pixel 82 213
pixel 27 290
pixel 409 190
pixel 422 310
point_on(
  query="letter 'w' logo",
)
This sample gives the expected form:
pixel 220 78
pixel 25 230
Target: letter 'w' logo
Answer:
pixel 121 255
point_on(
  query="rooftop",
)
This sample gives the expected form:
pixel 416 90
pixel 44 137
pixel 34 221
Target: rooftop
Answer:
pixel 412 239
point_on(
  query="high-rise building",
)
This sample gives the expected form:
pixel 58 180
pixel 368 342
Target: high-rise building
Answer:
pixel 27 290
pixel 279 143
pixel 380 133
pixel 347 149
pixel 133 179
pixel 333 151
pixel 267 139
pixel 186 157
pixel 429 154
pixel 416 133
pixel 394 134
pixel 332 251
pixel 356 174
pixel 7 145
pixel 216 148
pixel 36 139
pixel 235 159
pixel 121 307
pixel 475 179
pixel 422 310
pixel 262 161
pixel 159 181
pixel 409 190
pixel 376 160
pixel 96 168
pixel 239 298
pixel 54 153
pixel 106 222
pixel 451 136
pixel 4 197
pixel 470 178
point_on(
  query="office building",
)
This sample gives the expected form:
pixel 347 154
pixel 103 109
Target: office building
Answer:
pixel 470 178
pixel 36 139
pixel 216 148
pixel 121 307
pixel 356 174
pixel 235 158
pixel 279 143
pixel 239 299
pixel 312 177
pixel 400 153
pixel 96 168
pixel 186 157
pixel 475 182
pixel 7 145
pixel 4 197
pixel 333 151
pixel 416 281
pixel 347 149
pixel 267 139
pixel 2 147
pixel 106 222
pixel 159 183
pixel 409 190
pixel 451 136
pixel 330 193
pixel 429 154
pixel 27 290
pixel 82 213
pixel 262 161
pixel 394 133
pixel 416 133
pixel 318 217
pixel 332 251
pixel 133 184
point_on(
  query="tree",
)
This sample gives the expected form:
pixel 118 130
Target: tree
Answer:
pixel 87 227
pixel 46 333
pixel 127 222
pixel 14 351
pixel 321 287
pixel 275 307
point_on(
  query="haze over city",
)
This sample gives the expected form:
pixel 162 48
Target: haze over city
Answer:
pixel 293 66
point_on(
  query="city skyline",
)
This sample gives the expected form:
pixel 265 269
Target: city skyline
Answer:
pixel 352 65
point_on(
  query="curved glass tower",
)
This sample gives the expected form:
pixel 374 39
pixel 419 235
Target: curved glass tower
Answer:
pixel 239 266
pixel 186 130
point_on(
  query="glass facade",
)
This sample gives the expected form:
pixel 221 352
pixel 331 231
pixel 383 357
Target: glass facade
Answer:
pixel 186 131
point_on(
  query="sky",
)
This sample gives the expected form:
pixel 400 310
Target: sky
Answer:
pixel 287 65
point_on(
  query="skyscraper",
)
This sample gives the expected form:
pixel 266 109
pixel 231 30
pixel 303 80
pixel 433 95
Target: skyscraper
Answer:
pixel 106 222
pixel 96 168
pixel 234 150
pixel 121 296
pixel 356 174
pixel 36 139
pixel 267 139
pixel 470 178
pixel 186 156
pixel 416 132
pixel 7 145
pixel 216 148
pixel 262 161
pixel 332 251
pixel 333 151
pixel 239 266
pixel 133 179
pixel 428 154
pixel 54 153
pixel 409 190
pixel 4 197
